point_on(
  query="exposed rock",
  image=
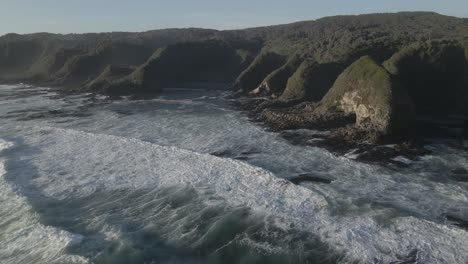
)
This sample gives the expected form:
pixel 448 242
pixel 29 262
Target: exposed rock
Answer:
pixel 259 69
pixel 460 175
pixel 304 116
pixel 367 90
pixel 457 221
pixel 311 81
pixel 432 73
pixel 275 83
pixel 307 177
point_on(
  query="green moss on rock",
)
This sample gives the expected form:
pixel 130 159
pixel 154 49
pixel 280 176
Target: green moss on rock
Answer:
pixel 366 89
pixel 311 81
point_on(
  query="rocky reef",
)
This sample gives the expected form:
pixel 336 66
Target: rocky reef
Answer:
pixel 363 81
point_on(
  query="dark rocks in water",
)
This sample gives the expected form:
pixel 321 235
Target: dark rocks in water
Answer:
pixel 307 177
pixel 351 144
pixel 222 153
pixel 409 258
pixel 364 105
pixel 459 175
pixel 457 221
pixel 242 155
pixel 302 116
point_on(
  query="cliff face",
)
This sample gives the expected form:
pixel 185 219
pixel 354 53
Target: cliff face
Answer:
pixel 372 66
pixel 368 91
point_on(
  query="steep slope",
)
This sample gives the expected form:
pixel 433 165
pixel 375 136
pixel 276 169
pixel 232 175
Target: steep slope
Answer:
pixel 368 91
pixel 183 64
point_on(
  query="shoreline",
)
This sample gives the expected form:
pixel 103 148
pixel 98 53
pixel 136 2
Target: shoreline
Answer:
pixel 398 152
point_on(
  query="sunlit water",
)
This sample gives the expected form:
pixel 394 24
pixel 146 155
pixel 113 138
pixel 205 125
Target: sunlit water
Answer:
pixel 183 178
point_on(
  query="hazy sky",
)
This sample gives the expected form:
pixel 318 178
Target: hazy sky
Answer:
pixel 66 16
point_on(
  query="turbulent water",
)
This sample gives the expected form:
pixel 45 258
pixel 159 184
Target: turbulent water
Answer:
pixel 182 178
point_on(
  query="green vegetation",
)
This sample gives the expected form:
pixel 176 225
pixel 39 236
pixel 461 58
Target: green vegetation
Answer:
pixel 275 83
pixel 311 81
pixel 74 60
pixel 424 57
pixel 366 89
pixel 207 61
pixel 110 76
pixel 258 70
pixel 432 72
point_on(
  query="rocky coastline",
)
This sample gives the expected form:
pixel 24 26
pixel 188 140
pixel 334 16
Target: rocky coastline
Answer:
pixel 356 85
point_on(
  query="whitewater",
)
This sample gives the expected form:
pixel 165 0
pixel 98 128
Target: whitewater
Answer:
pixel 183 178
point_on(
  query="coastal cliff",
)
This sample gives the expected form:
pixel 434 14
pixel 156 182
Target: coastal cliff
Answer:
pixel 365 78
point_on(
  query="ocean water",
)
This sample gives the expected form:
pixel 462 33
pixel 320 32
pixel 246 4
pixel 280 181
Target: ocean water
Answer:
pixel 183 178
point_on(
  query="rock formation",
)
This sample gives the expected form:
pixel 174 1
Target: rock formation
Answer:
pixel 275 82
pixel 432 73
pixel 311 81
pixel 366 90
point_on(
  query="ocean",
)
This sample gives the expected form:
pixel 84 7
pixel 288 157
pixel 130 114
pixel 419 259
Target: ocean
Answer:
pixel 184 178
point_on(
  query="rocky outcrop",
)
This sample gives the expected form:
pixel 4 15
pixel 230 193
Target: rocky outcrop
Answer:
pixel 372 94
pixel 432 73
pixel 264 64
pixel 275 83
pixel 311 81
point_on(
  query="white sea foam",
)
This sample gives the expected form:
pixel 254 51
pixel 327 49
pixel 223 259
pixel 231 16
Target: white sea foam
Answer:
pixel 23 238
pixel 360 212
pixel 76 164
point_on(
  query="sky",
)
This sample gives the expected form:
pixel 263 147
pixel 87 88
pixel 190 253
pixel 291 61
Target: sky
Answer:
pixel 79 16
